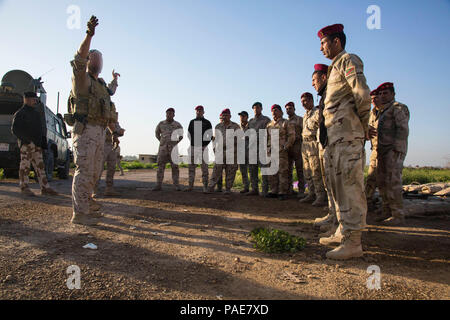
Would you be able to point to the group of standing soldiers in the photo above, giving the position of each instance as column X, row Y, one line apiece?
column 326, row 146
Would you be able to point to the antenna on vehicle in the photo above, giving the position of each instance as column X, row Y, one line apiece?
column 57, row 104
column 47, row 72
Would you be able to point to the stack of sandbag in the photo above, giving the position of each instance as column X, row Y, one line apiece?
column 433, row 188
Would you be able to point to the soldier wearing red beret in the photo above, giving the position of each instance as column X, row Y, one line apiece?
column 392, row 132
column 346, row 114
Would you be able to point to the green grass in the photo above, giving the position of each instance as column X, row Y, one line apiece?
column 276, row 241
column 2, row 174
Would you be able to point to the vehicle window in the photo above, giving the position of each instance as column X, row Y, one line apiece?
column 58, row 127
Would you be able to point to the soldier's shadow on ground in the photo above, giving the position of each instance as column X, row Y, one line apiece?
column 139, row 263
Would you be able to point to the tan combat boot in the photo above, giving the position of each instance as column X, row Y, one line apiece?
column 328, row 219
column 48, row 192
column 309, row 198
column 27, row 192
column 350, row 247
column 332, row 237
column 321, row 200
column 84, row 219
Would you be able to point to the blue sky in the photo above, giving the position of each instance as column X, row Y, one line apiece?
column 232, row 53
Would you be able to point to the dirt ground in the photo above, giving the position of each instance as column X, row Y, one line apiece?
column 178, row 245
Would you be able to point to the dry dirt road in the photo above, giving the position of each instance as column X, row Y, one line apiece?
column 177, row 245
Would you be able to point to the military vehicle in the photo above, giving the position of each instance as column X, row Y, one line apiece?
column 58, row 156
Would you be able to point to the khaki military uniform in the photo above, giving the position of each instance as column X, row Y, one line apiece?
column 244, row 167
column 30, row 154
column 295, row 154
column 110, row 158
column 371, row 181
column 163, row 133
column 279, row 182
column 89, row 137
column 346, row 114
column 221, row 160
column 257, row 124
column 393, row 131
column 118, row 159
column 310, row 152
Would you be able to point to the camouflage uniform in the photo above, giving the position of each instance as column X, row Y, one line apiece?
column 279, row 182
column 371, row 181
column 257, row 124
column 163, row 133
column 295, row 154
column 118, row 159
column 110, row 157
column 393, row 131
column 310, row 151
column 230, row 169
column 30, row 154
column 346, row 113
column 243, row 167
column 89, row 137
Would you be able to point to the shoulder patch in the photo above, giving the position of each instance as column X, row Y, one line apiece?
column 350, row 71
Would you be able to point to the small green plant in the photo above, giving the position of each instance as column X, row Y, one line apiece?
column 2, row 174
column 276, row 241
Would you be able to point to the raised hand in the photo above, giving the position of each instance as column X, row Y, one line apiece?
column 91, row 25
column 115, row 75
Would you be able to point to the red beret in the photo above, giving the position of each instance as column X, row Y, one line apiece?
column 170, row 109
column 226, row 111
column 385, row 85
column 321, row 67
column 291, row 104
column 276, row 106
column 335, row 28
column 374, row 92
column 307, row 94
column 198, row 108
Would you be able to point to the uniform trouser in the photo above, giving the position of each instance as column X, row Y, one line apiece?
column 311, row 167
column 88, row 145
column 244, row 169
column 254, row 178
column 344, row 162
column 371, row 181
column 296, row 158
column 230, row 175
column 279, row 182
column 30, row 154
column 327, row 184
column 389, row 179
column 164, row 157
column 198, row 156
column 119, row 165
column 110, row 158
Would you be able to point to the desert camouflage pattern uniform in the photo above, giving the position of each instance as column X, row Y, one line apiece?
column 346, row 113
column 119, row 165
column 230, row 169
column 110, row 158
column 279, row 182
column 393, row 131
column 257, row 124
column 88, row 139
column 310, row 152
column 371, row 181
column 30, row 154
column 295, row 154
column 163, row 133
column 244, row 167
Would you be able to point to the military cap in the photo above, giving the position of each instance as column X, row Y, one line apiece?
column 226, row 111
column 291, row 104
column 386, row 85
column 321, row 67
column 374, row 92
column 329, row 30
column 243, row 113
column 308, row 95
column 170, row 109
column 257, row 104
column 199, row 108
column 276, row 106
column 30, row 94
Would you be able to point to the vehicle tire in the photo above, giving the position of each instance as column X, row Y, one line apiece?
column 50, row 164
column 63, row 173
column 11, row 173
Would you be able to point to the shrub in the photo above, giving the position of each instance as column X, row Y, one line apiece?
column 276, row 241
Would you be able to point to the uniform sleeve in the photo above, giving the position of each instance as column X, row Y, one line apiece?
column 191, row 130
column 158, row 132
column 208, row 127
column 353, row 69
column 291, row 135
column 401, row 118
column 112, row 86
column 79, row 75
column 181, row 133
